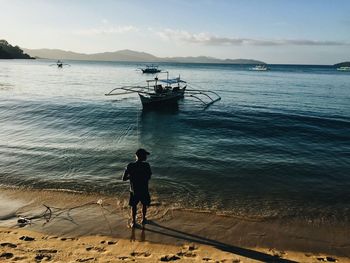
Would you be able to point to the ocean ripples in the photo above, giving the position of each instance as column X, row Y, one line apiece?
column 276, row 145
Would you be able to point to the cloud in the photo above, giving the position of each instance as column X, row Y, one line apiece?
column 210, row 40
column 107, row 30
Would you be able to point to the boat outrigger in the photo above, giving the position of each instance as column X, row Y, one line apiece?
column 166, row 93
column 151, row 69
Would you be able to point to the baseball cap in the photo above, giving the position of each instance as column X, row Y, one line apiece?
column 142, row 151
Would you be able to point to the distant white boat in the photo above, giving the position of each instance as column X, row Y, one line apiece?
column 343, row 69
column 259, row 68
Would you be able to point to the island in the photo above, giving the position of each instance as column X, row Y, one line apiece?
column 342, row 64
column 8, row 51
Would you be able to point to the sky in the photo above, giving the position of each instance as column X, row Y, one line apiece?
column 273, row 31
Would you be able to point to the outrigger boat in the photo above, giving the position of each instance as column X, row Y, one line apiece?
column 166, row 93
column 150, row 69
column 60, row 64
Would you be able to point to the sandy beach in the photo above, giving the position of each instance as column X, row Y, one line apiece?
column 175, row 131
column 74, row 227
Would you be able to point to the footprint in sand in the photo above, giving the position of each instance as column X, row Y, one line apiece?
column 223, row 260
column 84, row 259
column 6, row 255
column 8, row 245
column 190, row 247
column 277, row 253
column 140, row 254
column 68, row 238
column 47, row 251
column 40, row 257
column 26, row 238
column 327, row 259
column 187, row 254
column 168, row 258
column 123, row 258
column 19, row 258
column 188, row 251
column 98, row 249
column 108, row 242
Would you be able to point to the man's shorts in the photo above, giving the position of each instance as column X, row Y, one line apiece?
column 144, row 198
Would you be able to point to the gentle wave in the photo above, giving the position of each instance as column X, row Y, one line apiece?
column 276, row 145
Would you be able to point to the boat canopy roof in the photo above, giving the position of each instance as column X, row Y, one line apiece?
column 172, row 81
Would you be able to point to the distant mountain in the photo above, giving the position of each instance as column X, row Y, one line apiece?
column 122, row 55
column 204, row 59
column 54, row 54
column 343, row 64
column 8, row 51
column 130, row 56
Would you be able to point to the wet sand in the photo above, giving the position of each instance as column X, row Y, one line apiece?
column 83, row 228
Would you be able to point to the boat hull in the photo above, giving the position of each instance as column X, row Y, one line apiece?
column 150, row 71
column 160, row 100
column 343, row 69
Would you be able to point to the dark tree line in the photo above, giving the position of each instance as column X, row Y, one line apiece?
column 8, row 51
column 343, row 64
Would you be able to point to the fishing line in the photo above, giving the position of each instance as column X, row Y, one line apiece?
column 138, row 127
column 53, row 212
column 125, row 133
column 100, row 203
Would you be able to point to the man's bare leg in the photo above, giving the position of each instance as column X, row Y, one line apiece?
column 144, row 212
column 133, row 215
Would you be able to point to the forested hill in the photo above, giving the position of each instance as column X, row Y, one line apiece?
column 343, row 64
column 8, row 51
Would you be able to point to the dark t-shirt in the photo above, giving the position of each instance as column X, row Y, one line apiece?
column 139, row 173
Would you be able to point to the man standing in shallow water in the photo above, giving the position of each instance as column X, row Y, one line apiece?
column 139, row 173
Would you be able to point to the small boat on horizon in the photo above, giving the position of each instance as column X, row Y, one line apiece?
column 343, row 69
column 150, row 69
column 259, row 68
column 60, row 64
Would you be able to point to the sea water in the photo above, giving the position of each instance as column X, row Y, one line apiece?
column 276, row 146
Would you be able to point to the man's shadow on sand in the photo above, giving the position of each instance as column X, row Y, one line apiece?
column 249, row 253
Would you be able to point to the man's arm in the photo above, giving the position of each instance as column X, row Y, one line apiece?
column 126, row 175
column 149, row 172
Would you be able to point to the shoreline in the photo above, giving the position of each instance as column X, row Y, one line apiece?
column 79, row 216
